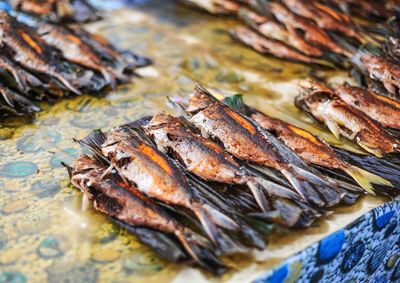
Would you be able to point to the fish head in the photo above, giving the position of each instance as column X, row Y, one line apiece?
column 199, row 99
column 311, row 93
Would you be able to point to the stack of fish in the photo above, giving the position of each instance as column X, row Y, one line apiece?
column 58, row 10
column 212, row 182
column 49, row 61
column 322, row 33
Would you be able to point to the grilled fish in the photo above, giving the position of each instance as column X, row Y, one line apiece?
column 312, row 149
column 28, row 49
column 122, row 201
column 219, row 7
column 382, row 109
column 58, row 10
column 269, row 46
column 311, row 32
column 342, row 120
column 209, row 161
column 324, row 17
column 74, row 49
column 246, row 141
column 271, row 29
column 379, row 68
column 157, row 177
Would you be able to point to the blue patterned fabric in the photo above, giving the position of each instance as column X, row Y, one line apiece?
column 368, row 250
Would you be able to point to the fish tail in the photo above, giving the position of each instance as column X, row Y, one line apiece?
column 162, row 243
column 213, row 223
column 196, row 247
column 366, row 179
column 67, row 83
column 312, row 188
column 259, row 196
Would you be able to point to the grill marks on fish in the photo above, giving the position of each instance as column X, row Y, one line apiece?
column 122, row 201
column 324, row 105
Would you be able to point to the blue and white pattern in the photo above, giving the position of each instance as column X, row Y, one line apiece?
column 368, row 250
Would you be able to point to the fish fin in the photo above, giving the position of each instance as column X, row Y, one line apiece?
column 377, row 153
column 67, row 84
column 163, row 244
column 311, row 188
column 194, row 244
column 334, row 128
column 93, row 141
column 366, row 179
column 69, row 169
column 259, row 196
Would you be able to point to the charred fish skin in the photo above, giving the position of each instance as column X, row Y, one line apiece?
column 29, row 50
column 271, row 29
column 382, row 109
column 246, row 141
column 209, row 161
column 120, row 200
column 326, row 107
column 157, row 177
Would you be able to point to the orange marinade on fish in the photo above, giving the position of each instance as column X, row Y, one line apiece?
column 380, row 108
column 342, row 120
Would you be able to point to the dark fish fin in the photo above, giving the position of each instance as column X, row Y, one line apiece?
column 163, row 244
column 194, row 245
column 252, row 233
column 93, row 142
column 69, row 169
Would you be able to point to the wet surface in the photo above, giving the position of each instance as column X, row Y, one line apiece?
column 44, row 234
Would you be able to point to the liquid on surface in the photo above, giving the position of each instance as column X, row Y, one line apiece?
column 44, row 234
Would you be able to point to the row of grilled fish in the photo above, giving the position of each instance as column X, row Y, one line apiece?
column 214, row 179
column 50, row 61
column 318, row 32
column 58, row 11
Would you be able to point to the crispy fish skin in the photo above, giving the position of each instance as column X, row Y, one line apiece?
column 342, row 120
column 312, row 33
column 309, row 147
column 382, row 109
column 29, row 50
column 73, row 48
column 208, row 160
column 241, row 138
column 381, row 69
column 122, row 201
column 157, row 177
column 324, row 17
column 272, row 29
column 268, row 46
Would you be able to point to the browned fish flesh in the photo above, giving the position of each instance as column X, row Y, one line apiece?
column 246, row 141
column 58, row 10
column 74, row 49
column 157, row 176
column 309, row 30
column 209, row 161
column 382, row 109
column 271, row 29
column 120, row 200
column 324, row 17
column 343, row 120
column 379, row 68
column 269, row 46
column 28, row 49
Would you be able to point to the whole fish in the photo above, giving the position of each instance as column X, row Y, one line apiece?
column 269, row 46
column 342, row 120
column 312, row 149
column 246, row 141
column 271, row 29
column 379, row 68
column 209, row 161
column 122, row 201
column 157, row 177
column 309, row 30
column 58, row 10
column 121, row 60
column 382, row 109
column 74, row 49
column 324, row 17
column 29, row 50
